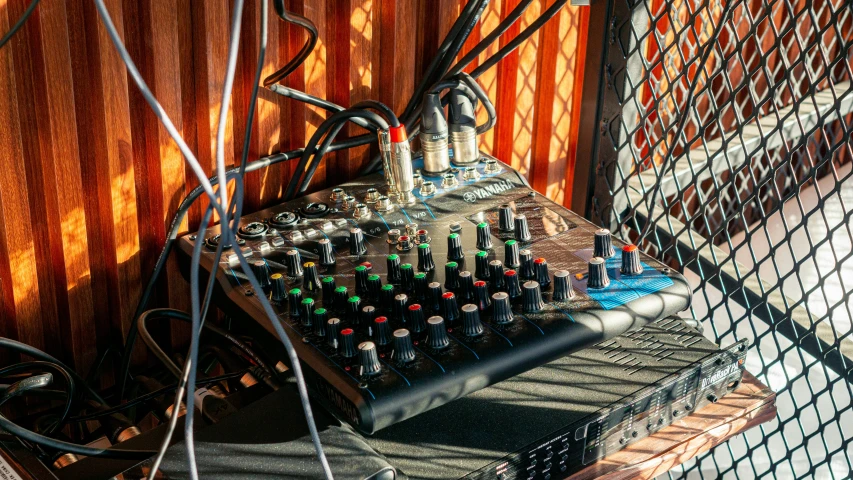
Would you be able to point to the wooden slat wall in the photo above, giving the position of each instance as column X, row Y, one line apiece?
column 91, row 180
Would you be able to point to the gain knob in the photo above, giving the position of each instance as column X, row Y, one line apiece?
column 471, row 324
column 294, row 298
column 526, row 272
column 354, row 309
column 563, row 290
column 436, row 333
column 399, row 310
column 434, row 296
column 420, row 286
column 374, row 284
column 631, row 260
column 481, row 295
column 347, row 343
column 356, row 242
column 306, row 311
column 451, row 276
column 407, row 277
column 367, row 317
column 278, row 288
column 484, row 236
column 361, row 275
column 404, row 351
column 597, row 274
column 261, row 272
column 513, row 288
column 449, row 307
column 425, row 261
column 321, row 319
column 340, row 299
column 333, row 333
column 417, row 322
column 522, row 231
column 393, row 263
column 386, row 297
column 293, row 263
column 511, row 258
column 466, row 285
column 532, row 297
column 369, row 358
column 310, row 279
column 381, row 331
column 496, row 274
column 603, row 244
column 505, row 218
column 454, row 247
column 540, row 272
column 501, row 308
column 327, row 256
column 328, row 284
column 481, row 265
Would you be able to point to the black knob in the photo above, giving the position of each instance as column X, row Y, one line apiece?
column 532, row 297
column 425, row 262
column 563, row 290
column 310, row 279
column 404, row 351
column 501, row 308
column 347, row 343
column 471, row 324
column 511, row 284
column 496, row 274
column 466, row 285
column 261, row 272
column 367, row 316
column 603, row 244
column 434, row 296
column 333, row 332
column 278, row 288
column 631, row 260
column 293, row 263
column 481, row 295
column 361, row 275
column 449, row 307
column 399, row 310
column 417, row 321
column 327, row 255
column 484, row 236
column 597, row 274
column 436, row 333
column 540, row 272
column 526, row 264
column 354, row 310
column 341, row 297
column 522, row 231
column 420, row 286
column 505, row 218
column 381, row 331
column 481, row 265
column 369, row 358
column 451, row 275
column 294, row 298
column 454, row 247
column 306, row 311
column 328, row 284
column 511, row 258
column 407, row 277
column 386, row 297
column 394, row 274
column 356, row 242
column 374, row 284
column 321, row 318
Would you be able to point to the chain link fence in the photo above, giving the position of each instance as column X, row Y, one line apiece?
column 746, row 187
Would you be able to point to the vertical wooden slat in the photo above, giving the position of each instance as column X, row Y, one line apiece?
column 577, row 98
column 364, row 50
column 507, row 76
column 546, row 71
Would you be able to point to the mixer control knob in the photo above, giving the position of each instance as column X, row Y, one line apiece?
column 425, row 261
column 420, row 286
column 404, row 351
column 481, row 265
column 340, row 299
column 261, row 272
column 327, row 256
column 372, row 195
column 369, row 358
column 393, row 262
column 466, row 285
column 354, row 309
column 393, row 236
column 597, row 273
column 333, row 332
column 484, row 236
column 398, row 311
column 505, row 218
column 278, row 287
column 481, row 295
column 563, row 290
column 527, row 271
column 381, row 331
column 383, row 204
column 321, row 319
column 501, row 308
column 374, row 284
column 451, row 275
column 436, row 333
column 434, row 296
column 361, row 275
column 454, row 247
column 306, row 311
column 310, row 279
column 417, row 321
column 471, row 174
column 347, row 343
column 407, row 277
column 328, row 284
column 293, row 263
column 631, row 260
column 522, row 231
column 532, row 301
column 449, row 307
column 386, row 297
column 294, row 299
column 513, row 288
column 496, row 274
column 603, row 244
column 471, row 324
column 367, row 316
column 540, row 272
column 356, row 242
column 511, row 258
column 405, row 243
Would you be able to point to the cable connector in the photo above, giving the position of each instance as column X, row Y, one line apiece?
column 434, row 135
column 401, row 164
column 463, row 127
column 384, row 138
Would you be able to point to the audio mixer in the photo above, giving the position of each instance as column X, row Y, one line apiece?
column 398, row 303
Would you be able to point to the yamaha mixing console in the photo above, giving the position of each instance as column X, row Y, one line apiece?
column 399, row 304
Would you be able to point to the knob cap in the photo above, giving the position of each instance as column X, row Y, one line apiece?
column 356, row 242
column 511, row 284
column 366, row 317
column 374, row 284
column 532, row 297
column 484, row 236
column 417, row 321
column 466, row 285
column 481, row 265
column 386, row 297
column 294, row 299
column 434, row 296
column 471, row 324
column 505, row 218
column 407, row 277
column 563, row 290
column 501, row 308
column 481, row 295
column 261, row 272
column 306, row 311
column 278, row 288
column 454, row 247
column 404, row 351
column 526, row 272
column 354, row 310
column 420, row 286
column 293, row 263
column 328, row 284
column 321, row 318
column 327, row 256
column 449, row 307
column 369, row 358
column 393, row 263
column 540, row 272
column 399, row 311
column 451, row 276
column 405, row 243
column 436, row 333
column 522, row 231
column 631, row 260
column 340, row 300
column 310, row 279
column 597, row 274
column 381, row 331
column 347, row 343
column 333, row 333
column 425, row 261
column 511, row 258
column 496, row 274
column 603, row 244
column 361, row 275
